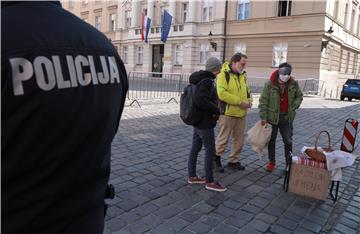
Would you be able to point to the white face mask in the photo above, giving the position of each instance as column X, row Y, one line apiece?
column 284, row 78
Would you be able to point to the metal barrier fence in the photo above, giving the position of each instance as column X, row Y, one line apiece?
column 154, row 85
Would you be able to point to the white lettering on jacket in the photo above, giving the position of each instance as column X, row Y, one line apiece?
column 49, row 73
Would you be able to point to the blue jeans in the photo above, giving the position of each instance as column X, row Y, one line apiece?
column 286, row 131
column 202, row 137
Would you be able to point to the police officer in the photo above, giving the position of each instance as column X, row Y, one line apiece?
column 62, row 95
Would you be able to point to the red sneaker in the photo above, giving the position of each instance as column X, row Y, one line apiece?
column 215, row 186
column 196, row 180
column 270, row 166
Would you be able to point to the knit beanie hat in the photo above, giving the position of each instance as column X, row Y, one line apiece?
column 213, row 64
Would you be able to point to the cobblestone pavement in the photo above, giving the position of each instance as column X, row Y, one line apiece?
column 149, row 170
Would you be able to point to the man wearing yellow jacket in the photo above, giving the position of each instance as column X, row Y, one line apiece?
column 235, row 98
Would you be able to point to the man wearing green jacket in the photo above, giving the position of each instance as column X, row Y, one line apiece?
column 235, row 98
column 279, row 99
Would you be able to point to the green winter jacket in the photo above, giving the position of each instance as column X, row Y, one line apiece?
column 269, row 102
column 232, row 93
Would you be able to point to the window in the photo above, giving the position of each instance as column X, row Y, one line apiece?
column 139, row 55
column 207, row 11
column 347, row 62
column 112, row 25
column 354, row 63
column 98, row 22
column 358, row 26
column 125, row 54
column 243, row 9
column 178, row 55
column 346, row 15
column 240, row 48
column 185, row 12
column 284, row 8
column 340, row 58
column 127, row 19
column 161, row 14
column 204, row 53
column 279, row 54
column 352, row 28
column 336, row 9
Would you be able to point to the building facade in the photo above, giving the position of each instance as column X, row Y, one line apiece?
column 320, row 39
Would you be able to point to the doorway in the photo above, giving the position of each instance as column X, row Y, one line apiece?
column 157, row 58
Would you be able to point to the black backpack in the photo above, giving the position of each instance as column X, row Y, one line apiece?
column 189, row 113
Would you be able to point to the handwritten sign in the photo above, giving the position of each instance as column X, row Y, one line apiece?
column 309, row 181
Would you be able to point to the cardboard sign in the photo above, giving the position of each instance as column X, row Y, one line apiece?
column 309, row 181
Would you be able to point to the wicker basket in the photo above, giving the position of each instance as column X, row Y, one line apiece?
column 317, row 155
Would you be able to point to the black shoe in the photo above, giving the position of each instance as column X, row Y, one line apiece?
column 218, row 167
column 236, row 166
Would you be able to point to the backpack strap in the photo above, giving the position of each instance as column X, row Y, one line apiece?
column 227, row 77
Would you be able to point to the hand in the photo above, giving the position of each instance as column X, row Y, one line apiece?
column 263, row 122
column 244, row 105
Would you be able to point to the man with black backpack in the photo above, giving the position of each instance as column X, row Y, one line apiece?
column 205, row 103
column 235, row 98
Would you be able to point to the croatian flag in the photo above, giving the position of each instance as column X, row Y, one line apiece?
column 145, row 27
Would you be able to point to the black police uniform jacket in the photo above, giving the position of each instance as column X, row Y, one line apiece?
column 62, row 95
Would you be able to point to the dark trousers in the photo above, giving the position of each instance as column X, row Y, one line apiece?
column 202, row 137
column 286, row 131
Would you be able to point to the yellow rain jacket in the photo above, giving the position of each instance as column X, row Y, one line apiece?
column 232, row 92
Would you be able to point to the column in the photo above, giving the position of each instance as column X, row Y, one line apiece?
column 135, row 13
column 172, row 10
column 150, row 10
column 192, row 10
column 354, row 29
column 348, row 15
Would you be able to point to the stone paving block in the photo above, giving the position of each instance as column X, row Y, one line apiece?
column 162, row 229
column 279, row 229
column 348, row 222
column 163, row 201
column 274, row 210
column 115, row 224
column 259, row 202
column 211, row 220
column 243, row 215
column 259, row 225
column 251, row 209
column 249, row 229
column 203, row 208
column 351, row 216
column 266, row 218
column 235, row 221
column 224, row 211
column 311, row 226
column 190, row 215
column 127, row 205
column 146, row 209
column 138, row 227
column 232, row 204
column 287, row 223
column 344, row 229
column 225, row 229
column 199, row 227
column 303, row 231
column 167, row 212
column 177, row 224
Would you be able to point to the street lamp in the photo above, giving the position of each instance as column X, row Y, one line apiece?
column 213, row 44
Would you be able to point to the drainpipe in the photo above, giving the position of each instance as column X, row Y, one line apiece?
column 225, row 24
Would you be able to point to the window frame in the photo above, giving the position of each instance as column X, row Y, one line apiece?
column 112, row 22
column 279, row 47
column 139, row 55
column 98, row 23
column 243, row 10
column 204, row 52
column 125, row 54
column 178, row 51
